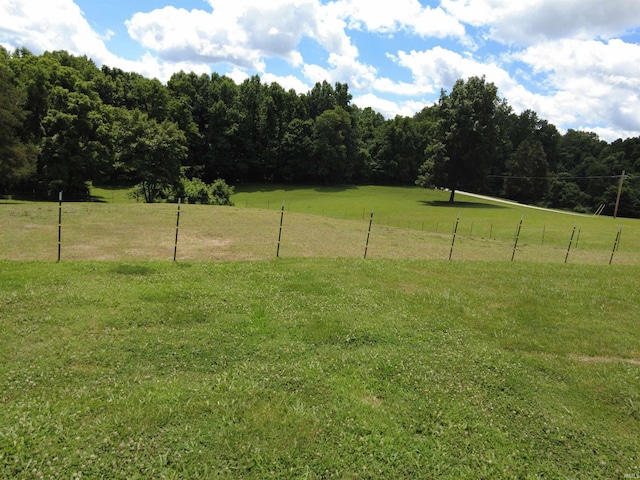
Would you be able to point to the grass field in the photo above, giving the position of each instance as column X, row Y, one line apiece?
column 118, row 363
column 408, row 223
column 319, row 368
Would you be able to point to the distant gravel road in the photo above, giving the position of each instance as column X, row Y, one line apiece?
column 500, row 200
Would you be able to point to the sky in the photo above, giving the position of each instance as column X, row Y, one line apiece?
column 576, row 63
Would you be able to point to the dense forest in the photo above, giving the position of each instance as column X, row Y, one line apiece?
column 65, row 123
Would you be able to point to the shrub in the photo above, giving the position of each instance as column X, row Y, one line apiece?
column 197, row 191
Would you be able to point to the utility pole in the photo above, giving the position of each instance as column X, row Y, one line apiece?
column 615, row 210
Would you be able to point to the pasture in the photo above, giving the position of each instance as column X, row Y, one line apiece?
column 408, row 223
column 119, row 363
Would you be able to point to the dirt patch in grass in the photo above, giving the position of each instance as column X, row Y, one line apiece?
column 586, row 359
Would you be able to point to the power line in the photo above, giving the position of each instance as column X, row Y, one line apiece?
column 563, row 177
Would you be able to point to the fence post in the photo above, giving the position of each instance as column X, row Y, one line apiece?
column 455, row 231
column 366, row 246
column 515, row 243
column 175, row 246
column 280, row 231
column 59, row 224
column 616, row 244
column 566, row 257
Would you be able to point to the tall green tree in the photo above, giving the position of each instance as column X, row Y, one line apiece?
column 17, row 156
column 221, row 133
column 151, row 153
column 398, row 151
column 468, row 133
column 73, row 146
column 297, row 151
column 332, row 132
column 527, row 171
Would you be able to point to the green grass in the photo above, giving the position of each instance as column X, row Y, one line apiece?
column 112, row 194
column 116, row 363
column 319, row 222
column 318, row 368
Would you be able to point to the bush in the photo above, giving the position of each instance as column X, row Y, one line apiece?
column 197, row 191
column 221, row 193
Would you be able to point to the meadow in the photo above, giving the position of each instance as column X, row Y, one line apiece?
column 408, row 223
column 119, row 363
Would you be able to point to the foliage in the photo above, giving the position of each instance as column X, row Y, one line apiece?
column 527, row 170
column 63, row 124
column 467, row 137
column 331, row 140
column 565, row 194
column 17, row 157
column 197, row 191
column 152, row 153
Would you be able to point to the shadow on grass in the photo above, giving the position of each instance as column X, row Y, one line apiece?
column 125, row 269
column 462, row 205
column 111, row 193
column 273, row 187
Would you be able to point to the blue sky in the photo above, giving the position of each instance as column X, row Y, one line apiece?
column 575, row 62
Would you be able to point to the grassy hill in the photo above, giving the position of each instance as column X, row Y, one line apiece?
column 118, row 363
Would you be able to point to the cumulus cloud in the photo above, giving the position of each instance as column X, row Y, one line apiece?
column 288, row 82
column 29, row 24
column 440, row 68
column 387, row 17
column 61, row 25
column 388, row 108
column 596, row 81
column 242, row 33
column 529, row 21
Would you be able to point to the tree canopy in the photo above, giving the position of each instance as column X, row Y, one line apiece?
column 65, row 123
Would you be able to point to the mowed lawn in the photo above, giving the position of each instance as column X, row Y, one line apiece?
column 319, row 368
column 119, row 363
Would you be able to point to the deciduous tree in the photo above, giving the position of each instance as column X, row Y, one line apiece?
column 468, row 133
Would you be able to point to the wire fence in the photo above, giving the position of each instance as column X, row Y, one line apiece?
column 182, row 232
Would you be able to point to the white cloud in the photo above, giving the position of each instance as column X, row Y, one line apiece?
column 597, row 82
column 382, row 16
column 241, row 32
column 315, row 73
column 529, row 21
column 61, row 25
column 50, row 25
column 388, row 108
column 237, row 75
column 440, row 68
column 329, row 32
column 288, row 82
column 387, row 85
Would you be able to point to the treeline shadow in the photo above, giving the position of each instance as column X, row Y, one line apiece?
column 460, row 205
column 272, row 187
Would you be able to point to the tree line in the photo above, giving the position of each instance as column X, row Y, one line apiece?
column 65, row 123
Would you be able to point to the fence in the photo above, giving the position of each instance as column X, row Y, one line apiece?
column 140, row 232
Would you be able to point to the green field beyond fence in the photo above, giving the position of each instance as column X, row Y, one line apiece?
column 318, row 222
